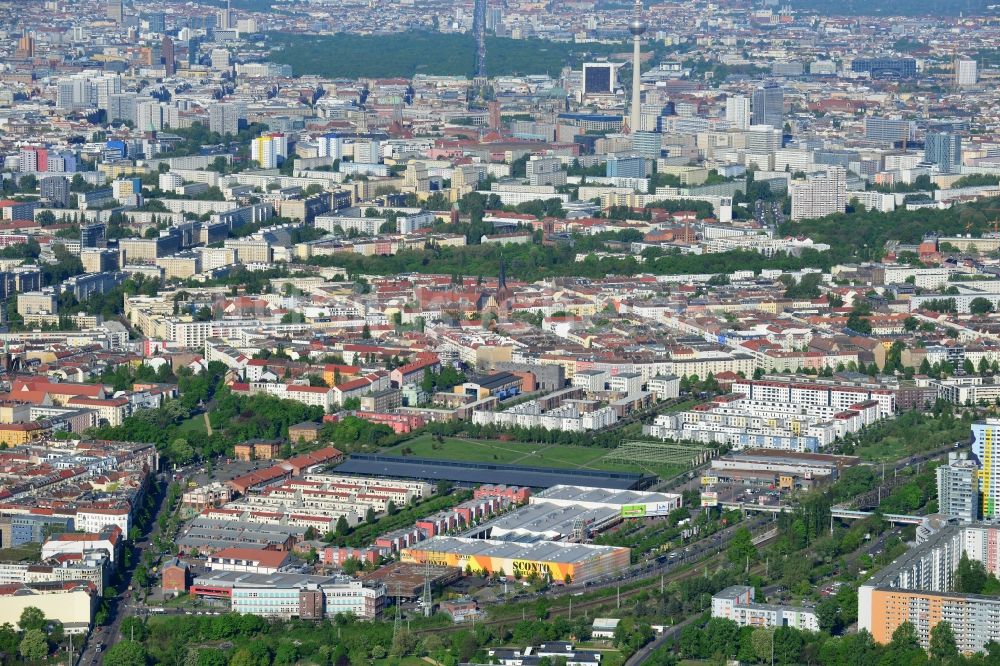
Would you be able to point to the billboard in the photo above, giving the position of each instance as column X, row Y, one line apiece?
column 649, row 509
column 633, row 511
column 710, row 499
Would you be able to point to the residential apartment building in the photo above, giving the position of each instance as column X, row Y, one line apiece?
column 736, row 603
column 822, row 194
column 917, row 588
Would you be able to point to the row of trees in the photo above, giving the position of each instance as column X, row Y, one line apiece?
column 720, row 638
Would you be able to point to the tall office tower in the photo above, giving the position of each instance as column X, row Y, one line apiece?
column 226, row 18
column 738, row 111
column 167, row 52
column 194, row 48
column 966, row 72
column 945, row 150
column 985, row 436
column 156, row 22
column 116, row 10
column 822, row 194
column 494, row 18
column 599, row 78
column 637, row 26
column 769, row 106
column 958, row 488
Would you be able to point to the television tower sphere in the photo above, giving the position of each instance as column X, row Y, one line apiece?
column 637, row 26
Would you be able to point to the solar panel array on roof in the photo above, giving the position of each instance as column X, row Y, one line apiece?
column 468, row 472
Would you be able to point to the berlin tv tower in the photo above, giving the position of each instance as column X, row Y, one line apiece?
column 636, row 26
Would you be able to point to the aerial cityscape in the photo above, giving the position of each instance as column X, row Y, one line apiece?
column 517, row 332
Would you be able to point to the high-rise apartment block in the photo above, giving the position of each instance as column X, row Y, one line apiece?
column 918, row 588
column 226, row 117
column 888, row 130
column 738, row 112
column 545, row 171
column 958, row 488
column 966, row 72
column 985, row 440
column 269, row 150
column 822, row 194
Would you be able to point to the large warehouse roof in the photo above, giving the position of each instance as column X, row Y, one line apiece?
column 538, row 551
column 470, row 472
column 595, row 497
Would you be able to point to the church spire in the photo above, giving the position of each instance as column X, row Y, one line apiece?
column 502, row 278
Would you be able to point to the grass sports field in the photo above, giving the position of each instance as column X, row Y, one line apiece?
column 523, row 453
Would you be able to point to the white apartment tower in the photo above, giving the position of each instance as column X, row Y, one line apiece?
column 820, row 195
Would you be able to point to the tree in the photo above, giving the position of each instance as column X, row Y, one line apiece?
column 690, row 642
column 342, row 527
column 126, row 653
column 134, row 628
column 741, row 548
column 905, row 644
column 286, row 654
column 980, row 306
column 788, row 644
column 31, row 618
column 8, row 639
column 370, row 515
column 970, row 576
column 34, row 645
column 208, row 657
column 28, row 183
column 857, row 322
column 366, row 332
column 351, row 566
column 942, row 643
column 242, row 657
column 762, row 640
column 180, row 451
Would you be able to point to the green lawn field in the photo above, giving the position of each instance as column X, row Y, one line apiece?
column 521, row 453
